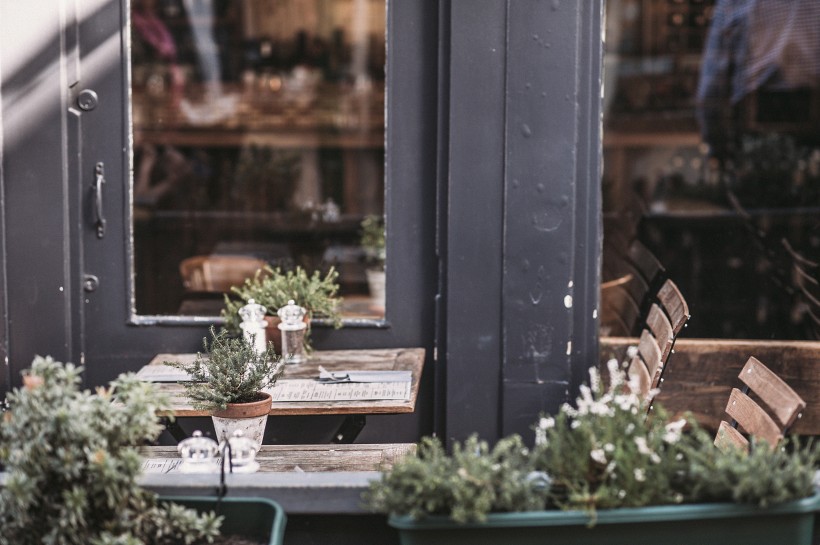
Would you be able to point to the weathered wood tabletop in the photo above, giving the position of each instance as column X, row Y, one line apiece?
column 313, row 458
column 386, row 359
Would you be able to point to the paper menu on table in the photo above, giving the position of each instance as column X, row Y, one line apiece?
column 162, row 373
column 311, row 390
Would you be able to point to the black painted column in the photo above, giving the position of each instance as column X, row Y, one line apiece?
column 522, row 210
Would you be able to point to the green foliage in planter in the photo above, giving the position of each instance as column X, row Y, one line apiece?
column 273, row 288
column 467, row 485
column 763, row 477
column 373, row 240
column 72, row 465
column 601, row 453
column 231, row 371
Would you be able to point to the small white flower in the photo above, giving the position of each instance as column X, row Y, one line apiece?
column 610, row 467
column 574, row 424
column 643, row 448
column 540, row 436
column 622, row 494
column 673, row 431
column 640, row 474
column 594, row 379
column 598, row 455
column 679, row 457
column 630, row 428
column 609, row 447
column 655, row 458
column 546, row 423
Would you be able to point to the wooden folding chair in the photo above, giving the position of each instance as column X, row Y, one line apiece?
column 783, row 407
column 646, row 366
column 217, row 273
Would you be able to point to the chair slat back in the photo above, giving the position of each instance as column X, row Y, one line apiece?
column 781, row 399
column 674, row 305
column 650, row 353
column 645, row 366
column 752, row 418
column 728, row 438
column 659, row 325
column 639, row 376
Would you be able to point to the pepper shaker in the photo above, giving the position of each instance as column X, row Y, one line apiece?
column 253, row 325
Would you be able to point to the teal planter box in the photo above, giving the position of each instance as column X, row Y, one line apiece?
column 697, row 524
column 256, row 519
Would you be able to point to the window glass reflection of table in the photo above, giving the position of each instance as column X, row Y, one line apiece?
column 387, row 359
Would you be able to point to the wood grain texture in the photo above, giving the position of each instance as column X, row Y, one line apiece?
column 315, row 458
column 701, row 373
column 396, row 359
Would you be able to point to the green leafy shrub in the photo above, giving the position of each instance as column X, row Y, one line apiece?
column 273, row 288
column 601, row 453
column 72, row 465
column 231, row 371
column 467, row 485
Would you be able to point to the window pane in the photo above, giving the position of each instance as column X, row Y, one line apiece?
column 258, row 139
column 712, row 158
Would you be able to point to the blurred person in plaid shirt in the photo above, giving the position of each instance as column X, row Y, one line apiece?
column 768, row 50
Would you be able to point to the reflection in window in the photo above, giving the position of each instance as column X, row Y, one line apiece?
column 258, row 133
column 712, row 157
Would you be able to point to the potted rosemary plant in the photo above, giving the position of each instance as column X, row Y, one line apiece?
column 72, row 464
column 228, row 380
column 273, row 288
column 600, row 473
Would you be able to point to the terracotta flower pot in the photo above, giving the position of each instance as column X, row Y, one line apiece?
column 248, row 417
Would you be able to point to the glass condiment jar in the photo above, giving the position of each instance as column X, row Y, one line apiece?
column 198, row 453
column 293, row 328
column 242, row 451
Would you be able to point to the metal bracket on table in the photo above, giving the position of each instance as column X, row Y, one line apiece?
column 173, row 427
column 349, row 429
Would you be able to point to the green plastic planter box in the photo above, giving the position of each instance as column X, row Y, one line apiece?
column 256, row 519
column 696, row 524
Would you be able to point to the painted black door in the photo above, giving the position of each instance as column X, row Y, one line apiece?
column 113, row 335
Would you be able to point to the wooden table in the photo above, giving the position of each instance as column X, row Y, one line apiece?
column 312, row 458
column 396, row 359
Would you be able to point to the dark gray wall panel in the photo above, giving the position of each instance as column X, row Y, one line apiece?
column 545, row 284
column 474, row 216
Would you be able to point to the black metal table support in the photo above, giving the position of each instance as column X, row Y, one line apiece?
column 173, row 427
column 349, row 429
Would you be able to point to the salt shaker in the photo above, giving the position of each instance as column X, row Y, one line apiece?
column 293, row 328
column 253, row 325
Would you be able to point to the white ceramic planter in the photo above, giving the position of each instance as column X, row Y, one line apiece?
column 375, row 283
column 250, row 418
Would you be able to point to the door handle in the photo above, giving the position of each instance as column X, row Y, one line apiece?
column 99, row 223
